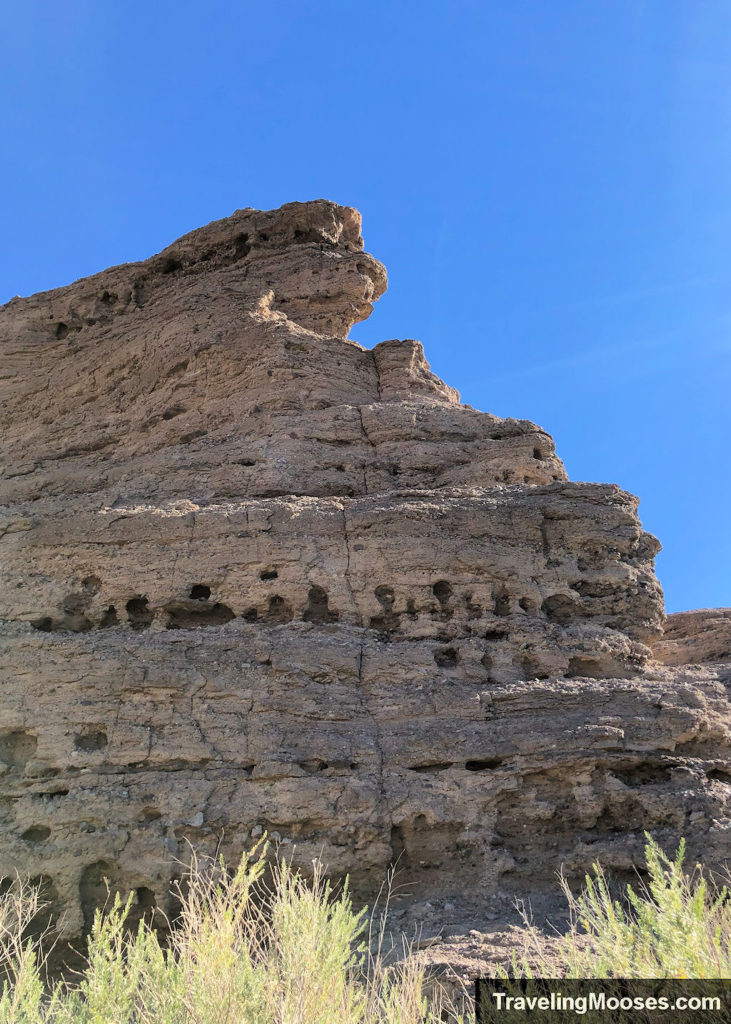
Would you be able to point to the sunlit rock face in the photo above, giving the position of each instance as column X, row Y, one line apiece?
column 256, row 577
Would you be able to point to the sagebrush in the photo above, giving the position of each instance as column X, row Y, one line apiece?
column 292, row 953
column 672, row 925
column 296, row 952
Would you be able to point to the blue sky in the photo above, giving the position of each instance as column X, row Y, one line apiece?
column 549, row 185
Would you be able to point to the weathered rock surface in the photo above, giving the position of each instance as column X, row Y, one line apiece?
column 695, row 638
column 256, row 577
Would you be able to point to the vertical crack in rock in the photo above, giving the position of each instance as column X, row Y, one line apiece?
column 346, row 575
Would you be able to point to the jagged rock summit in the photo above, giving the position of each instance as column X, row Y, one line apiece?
column 257, row 577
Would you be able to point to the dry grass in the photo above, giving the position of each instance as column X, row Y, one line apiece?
column 292, row 954
column 296, row 952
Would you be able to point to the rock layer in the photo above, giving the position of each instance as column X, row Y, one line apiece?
column 695, row 638
column 256, row 577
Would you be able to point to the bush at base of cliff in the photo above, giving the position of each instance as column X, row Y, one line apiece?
column 239, row 954
column 671, row 926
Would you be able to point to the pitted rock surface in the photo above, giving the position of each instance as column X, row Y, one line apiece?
column 258, row 578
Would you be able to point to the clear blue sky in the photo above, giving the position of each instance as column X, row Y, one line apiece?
column 548, row 183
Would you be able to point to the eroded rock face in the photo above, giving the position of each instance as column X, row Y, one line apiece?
column 695, row 638
column 256, row 577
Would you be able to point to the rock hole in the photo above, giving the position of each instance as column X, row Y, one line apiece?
column 109, row 618
column 429, row 769
column 139, row 615
column 443, row 592
column 411, row 608
column 99, row 882
column 90, row 740
column 279, row 611
column 17, row 747
column 398, row 846
column 529, row 606
column 92, row 584
column 43, row 625
column 198, row 615
column 589, row 588
column 483, row 766
column 317, row 609
column 51, row 794
column 560, row 608
column 388, row 620
column 241, row 246
column 150, row 814
column 108, row 298
column 268, row 574
column 145, row 899
column 244, row 462
column 49, row 908
column 200, row 592
column 644, row 774
column 62, row 331
column 580, row 666
column 36, row 834
column 495, row 634
column 139, row 294
column 250, row 615
column 719, row 775
column 177, row 369
column 446, row 657
column 502, row 602
column 314, row 765
column 532, row 667
column 173, row 411
column 93, row 890
column 171, row 265
column 537, row 453
column 193, row 435
column 74, row 619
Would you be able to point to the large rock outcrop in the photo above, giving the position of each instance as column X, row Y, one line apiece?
column 256, row 577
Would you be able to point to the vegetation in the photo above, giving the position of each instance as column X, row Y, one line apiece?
column 670, row 926
column 296, row 952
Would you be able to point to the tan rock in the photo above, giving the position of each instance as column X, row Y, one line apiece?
column 699, row 637
column 258, row 578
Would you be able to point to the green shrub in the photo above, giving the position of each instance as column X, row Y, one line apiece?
column 671, row 926
column 294, row 954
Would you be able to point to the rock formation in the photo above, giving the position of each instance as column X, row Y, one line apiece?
column 256, row 577
column 699, row 637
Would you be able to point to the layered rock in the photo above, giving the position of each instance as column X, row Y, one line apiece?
column 695, row 638
column 257, row 577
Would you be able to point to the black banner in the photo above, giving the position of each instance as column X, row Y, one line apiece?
column 615, row 1001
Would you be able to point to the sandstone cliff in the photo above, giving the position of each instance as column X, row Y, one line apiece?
column 256, row 577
